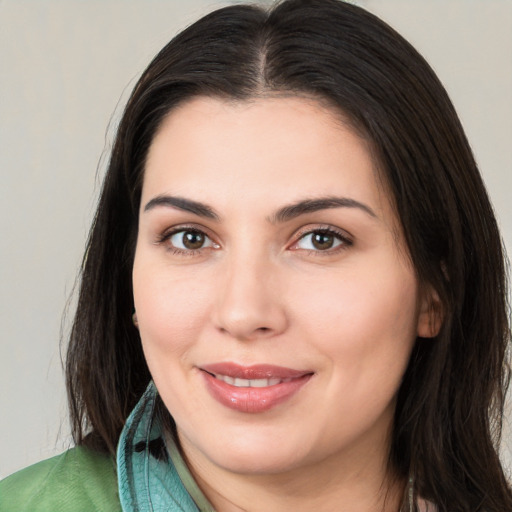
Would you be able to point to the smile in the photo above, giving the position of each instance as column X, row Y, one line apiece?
column 250, row 383
column 252, row 389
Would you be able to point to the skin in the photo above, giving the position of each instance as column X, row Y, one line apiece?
column 259, row 291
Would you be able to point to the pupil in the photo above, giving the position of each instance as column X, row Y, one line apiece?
column 193, row 240
column 323, row 240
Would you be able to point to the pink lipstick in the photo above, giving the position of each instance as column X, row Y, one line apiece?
column 252, row 389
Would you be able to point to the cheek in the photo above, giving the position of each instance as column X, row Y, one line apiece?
column 364, row 325
column 363, row 320
column 171, row 309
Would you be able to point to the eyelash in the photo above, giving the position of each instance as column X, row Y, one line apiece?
column 341, row 236
column 167, row 235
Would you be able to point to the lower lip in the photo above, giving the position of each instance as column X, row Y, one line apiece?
column 253, row 400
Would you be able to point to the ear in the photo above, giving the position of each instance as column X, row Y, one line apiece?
column 431, row 314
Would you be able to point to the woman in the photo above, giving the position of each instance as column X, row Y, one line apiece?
column 294, row 293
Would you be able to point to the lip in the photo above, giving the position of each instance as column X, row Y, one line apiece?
column 253, row 399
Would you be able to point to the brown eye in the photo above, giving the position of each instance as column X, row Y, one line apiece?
column 193, row 239
column 322, row 241
column 190, row 240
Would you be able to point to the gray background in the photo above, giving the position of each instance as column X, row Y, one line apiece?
column 66, row 70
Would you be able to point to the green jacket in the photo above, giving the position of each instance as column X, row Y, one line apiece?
column 79, row 480
column 148, row 475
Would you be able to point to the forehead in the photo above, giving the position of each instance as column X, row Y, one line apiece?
column 279, row 148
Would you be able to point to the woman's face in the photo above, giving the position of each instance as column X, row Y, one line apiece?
column 276, row 303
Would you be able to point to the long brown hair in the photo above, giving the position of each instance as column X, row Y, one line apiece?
column 450, row 404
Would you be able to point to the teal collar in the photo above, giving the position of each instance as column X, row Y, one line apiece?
column 152, row 475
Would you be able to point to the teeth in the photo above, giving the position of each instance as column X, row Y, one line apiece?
column 229, row 380
column 250, row 383
column 263, row 383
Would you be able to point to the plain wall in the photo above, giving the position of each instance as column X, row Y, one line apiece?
column 66, row 67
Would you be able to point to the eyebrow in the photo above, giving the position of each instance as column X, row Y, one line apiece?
column 284, row 214
column 313, row 205
column 180, row 203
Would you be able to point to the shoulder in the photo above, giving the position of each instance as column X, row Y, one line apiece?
column 78, row 480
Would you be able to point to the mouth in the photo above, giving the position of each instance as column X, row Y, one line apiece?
column 253, row 389
column 249, row 383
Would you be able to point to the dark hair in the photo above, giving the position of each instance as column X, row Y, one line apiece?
column 450, row 404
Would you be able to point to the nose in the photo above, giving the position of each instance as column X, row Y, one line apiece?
column 250, row 305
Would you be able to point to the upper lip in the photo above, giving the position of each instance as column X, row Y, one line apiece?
column 257, row 371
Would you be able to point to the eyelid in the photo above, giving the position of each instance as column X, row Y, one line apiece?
column 346, row 238
column 167, row 233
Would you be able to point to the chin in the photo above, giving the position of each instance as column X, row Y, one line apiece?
column 251, row 454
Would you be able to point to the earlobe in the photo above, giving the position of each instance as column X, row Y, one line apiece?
column 431, row 315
